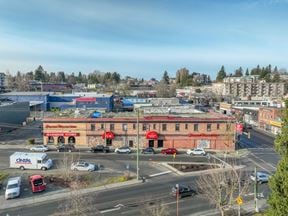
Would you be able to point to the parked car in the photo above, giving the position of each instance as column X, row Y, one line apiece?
column 169, row 151
column 183, row 190
column 37, row 183
column 261, row 177
column 13, row 188
column 148, row 150
column 83, row 166
column 100, row 148
column 124, row 149
column 196, row 151
column 39, row 148
column 66, row 148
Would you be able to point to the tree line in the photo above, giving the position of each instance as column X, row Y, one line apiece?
column 21, row 81
column 265, row 73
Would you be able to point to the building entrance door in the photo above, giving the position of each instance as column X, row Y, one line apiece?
column 151, row 143
column 160, row 144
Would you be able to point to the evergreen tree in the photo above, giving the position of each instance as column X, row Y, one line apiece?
column 247, row 72
column 239, row 72
column 278, row 183
column 221, row 74
column 276, row 77
column 165, row 78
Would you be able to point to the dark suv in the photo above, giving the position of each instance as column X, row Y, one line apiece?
column 183, row 190
column 148, row 150
column 100, row 148
column 66, row 148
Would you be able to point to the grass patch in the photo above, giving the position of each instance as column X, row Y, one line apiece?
column 3, row 176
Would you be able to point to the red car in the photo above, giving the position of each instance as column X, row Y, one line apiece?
column 169, row 151
column 37, row 183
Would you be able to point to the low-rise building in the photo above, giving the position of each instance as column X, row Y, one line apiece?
column 207, row 130
column 270, row 119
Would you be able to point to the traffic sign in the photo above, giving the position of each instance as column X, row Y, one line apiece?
column 239, row 200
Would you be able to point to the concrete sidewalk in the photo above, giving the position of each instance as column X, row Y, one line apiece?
column 62, row 194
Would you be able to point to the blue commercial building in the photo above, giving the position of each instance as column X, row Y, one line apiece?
column 38, row 101
column 85, row 100
column 45, row 101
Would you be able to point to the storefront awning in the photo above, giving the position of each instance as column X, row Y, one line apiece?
column 152, row 135
column 108, row 135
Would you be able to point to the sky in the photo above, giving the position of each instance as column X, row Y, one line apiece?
column 142, row 38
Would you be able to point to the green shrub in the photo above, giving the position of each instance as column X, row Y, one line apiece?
column 31, row 141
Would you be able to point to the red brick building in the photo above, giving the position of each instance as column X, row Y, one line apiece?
column 270, row 119
column 208, row 130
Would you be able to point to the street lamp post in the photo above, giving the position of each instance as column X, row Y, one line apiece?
column 138, row 144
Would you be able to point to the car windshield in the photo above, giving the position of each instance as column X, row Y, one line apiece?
column 45, row 159
column 11, row 186
column 38, row 182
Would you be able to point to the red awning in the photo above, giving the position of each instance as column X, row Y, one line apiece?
column 85, row 99
column 108, row 135
column 152, row 135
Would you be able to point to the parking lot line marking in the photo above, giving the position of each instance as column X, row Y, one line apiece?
column 161, row 173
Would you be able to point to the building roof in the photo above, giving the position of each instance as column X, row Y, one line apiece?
column 115, row 117
column 28, row 93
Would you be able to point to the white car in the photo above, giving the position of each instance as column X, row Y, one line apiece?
column 39, row 148
column 261, row 177
column 124, row 149
column 13, row 188
column 83, row 166
column 196, row 151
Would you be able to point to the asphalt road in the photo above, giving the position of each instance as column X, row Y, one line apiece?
column 133, row 200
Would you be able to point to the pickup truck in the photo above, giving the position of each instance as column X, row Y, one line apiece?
column 13, row 188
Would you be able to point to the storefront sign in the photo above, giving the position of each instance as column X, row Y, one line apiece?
column 61, row 134
column 60, row 126
column 239, row 127
column 276, row 124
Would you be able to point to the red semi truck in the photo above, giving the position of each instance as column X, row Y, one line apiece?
column 37, row 183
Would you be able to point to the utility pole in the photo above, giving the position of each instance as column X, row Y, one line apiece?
column 256, row 190
column 138, row 144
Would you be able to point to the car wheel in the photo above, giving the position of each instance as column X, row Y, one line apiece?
column 191, row 154
column 69, row 150
column 90, row 170
column 43, row 168
column 75, row 169
column 22, row 168
column 58, row 150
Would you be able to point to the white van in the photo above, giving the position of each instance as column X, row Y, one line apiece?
column 25, row 160
column 13, row 188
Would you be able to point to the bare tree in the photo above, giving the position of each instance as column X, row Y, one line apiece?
column 222, row 187
column 158, row 209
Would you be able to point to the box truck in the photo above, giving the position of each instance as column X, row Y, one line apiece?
column 25, row 160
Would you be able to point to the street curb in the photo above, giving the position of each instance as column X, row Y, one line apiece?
column 196, row 173
column 65, row 193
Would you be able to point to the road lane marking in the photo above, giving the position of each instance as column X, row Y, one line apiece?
column 253, row 161
column 110, row 210
column 263, row 161
column 161, row 173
